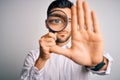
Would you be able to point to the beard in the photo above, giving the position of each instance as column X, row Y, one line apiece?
column 62, row 40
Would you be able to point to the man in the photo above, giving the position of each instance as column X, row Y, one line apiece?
column 72, row 53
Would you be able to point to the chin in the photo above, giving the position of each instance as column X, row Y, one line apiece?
column 62, row 40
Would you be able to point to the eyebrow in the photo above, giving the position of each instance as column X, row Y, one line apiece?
column 57, row 15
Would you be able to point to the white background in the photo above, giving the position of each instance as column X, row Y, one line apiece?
column 22, row 24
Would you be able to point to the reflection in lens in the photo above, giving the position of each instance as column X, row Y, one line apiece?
column 57, row 20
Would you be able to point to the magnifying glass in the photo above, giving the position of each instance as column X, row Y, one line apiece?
column 57, row 21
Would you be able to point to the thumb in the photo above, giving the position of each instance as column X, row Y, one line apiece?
column 59, row 50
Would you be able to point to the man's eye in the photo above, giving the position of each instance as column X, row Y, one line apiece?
column 56, row 21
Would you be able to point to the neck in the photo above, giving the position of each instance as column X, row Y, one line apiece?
column 63, row 43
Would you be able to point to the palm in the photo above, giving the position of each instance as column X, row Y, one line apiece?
column 86, row 47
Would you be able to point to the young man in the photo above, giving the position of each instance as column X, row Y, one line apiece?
column 72, row 53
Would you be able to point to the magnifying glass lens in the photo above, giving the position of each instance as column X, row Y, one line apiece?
column 57, row 21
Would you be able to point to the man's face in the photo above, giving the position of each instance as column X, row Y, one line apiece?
column 64, row 35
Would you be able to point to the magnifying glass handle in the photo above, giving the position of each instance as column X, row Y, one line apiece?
column 51, row 31
column 54, row 32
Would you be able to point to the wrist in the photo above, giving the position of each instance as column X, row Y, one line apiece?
column 98, row 66
column 40, row 63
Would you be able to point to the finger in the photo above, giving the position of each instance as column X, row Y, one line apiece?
column 74, row 26
column 52, row 35
column 59, row 50
column 49, row 44
column 87, row 16
column 95, row 22
column 80, row 14
column 49, row 40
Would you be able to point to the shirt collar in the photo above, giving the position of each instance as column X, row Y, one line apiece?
column 68, row 45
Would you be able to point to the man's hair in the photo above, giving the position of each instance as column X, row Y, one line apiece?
column 59, row 4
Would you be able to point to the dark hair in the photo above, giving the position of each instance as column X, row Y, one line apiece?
column 59, row 4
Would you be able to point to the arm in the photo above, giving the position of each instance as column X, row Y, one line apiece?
column 40, row 63
column 35, row 61
column 29, row 71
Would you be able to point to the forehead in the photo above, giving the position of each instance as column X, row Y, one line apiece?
column 66, row 10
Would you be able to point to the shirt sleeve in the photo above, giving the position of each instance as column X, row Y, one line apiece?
column 110, row 61
column 29, row 71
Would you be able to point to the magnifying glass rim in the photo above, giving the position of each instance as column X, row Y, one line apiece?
column 51, row 30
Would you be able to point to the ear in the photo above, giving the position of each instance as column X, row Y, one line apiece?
column 46, row 23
